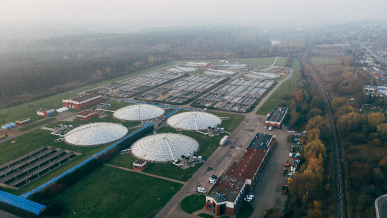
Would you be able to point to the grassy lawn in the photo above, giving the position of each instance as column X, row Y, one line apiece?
column 109, row 118
column 323, row 60
column 29, row 109
column 193, row 203
column 38, row 123
column 230, row 124
column 245, row 211
column 287, row 88
column 110, row 192
column 118, row 105
column 36, row 139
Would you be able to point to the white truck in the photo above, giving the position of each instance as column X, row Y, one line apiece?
column 224, row 140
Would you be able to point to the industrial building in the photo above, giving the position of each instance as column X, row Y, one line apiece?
column 182, row 90
column 138, row 112
column 86, row 115
column 227, row 194
column 139, row 165
column 219, row 72
column 81, row 102
column 232, row 66
column 164, row 147
column 46, row 112
column 238, row 94
column 95, row 134
column 193, row 121
column 130, row 87
column 375, row 90
column 179, row 69
column 276, row 117
column 23, row 122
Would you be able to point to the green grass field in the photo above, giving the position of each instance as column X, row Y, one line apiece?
column 245, row 211
column 37, row 123
column 206, row 215
column 111, row 192
column 36, row 139
column 192, row 203
column 287, row 88
column 323, row 60
column 230, row 124
column 29, row 109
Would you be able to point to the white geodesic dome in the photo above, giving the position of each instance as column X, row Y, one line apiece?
column 164, row 147
column 138, row 112
column 193, row 120
column 95, row 134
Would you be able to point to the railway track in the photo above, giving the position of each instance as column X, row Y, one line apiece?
column 341, row 203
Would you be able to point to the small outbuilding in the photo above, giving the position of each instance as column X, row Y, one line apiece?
column 86, row 115
column 276, row 117
column 23, row 122
column 46, row 112
column 139, row 165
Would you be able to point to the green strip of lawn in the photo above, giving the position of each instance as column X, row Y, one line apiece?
column 193, row 203
column 111, row 192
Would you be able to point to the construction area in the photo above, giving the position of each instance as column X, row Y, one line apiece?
column 237, row 95
column 182, row 90
column 31, row 166
column 129, row 87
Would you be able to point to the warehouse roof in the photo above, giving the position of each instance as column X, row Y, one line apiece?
column 261, row 141
column 248, row 165
column 277, row 114
column 228, row 186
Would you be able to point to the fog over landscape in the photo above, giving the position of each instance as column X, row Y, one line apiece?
column 25, row 19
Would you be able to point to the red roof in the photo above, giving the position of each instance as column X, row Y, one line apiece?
column 248, row 165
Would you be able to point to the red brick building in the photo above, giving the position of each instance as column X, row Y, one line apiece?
column 86, row 115
column 46, row 112
column 139, row 165
column 23, row 122
column 81, row 102
column 228, row 192
column 276, row 117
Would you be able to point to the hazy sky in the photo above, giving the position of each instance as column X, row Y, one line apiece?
column 177, row 12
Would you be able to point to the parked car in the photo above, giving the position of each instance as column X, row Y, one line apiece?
column 212, row 180
column 249, row 198
column 215, row 177
column 200, row 189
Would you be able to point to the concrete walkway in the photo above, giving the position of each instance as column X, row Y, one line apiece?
column 148, row 174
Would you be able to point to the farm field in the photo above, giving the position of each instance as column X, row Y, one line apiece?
column 111, row 192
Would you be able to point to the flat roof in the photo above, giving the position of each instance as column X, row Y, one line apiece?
column 86, row 113
column 261, row 141
column 248, row 165
column 84, row 97
column 277, row 114
column 228, row 186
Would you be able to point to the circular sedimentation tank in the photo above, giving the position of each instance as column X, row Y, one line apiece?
column 95, row 134
column 164, row 147
column 138, row 112
column 193, row 121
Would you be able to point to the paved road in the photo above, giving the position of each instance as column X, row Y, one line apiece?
column 341, row 202
column 223, row 157
column 373, row 53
